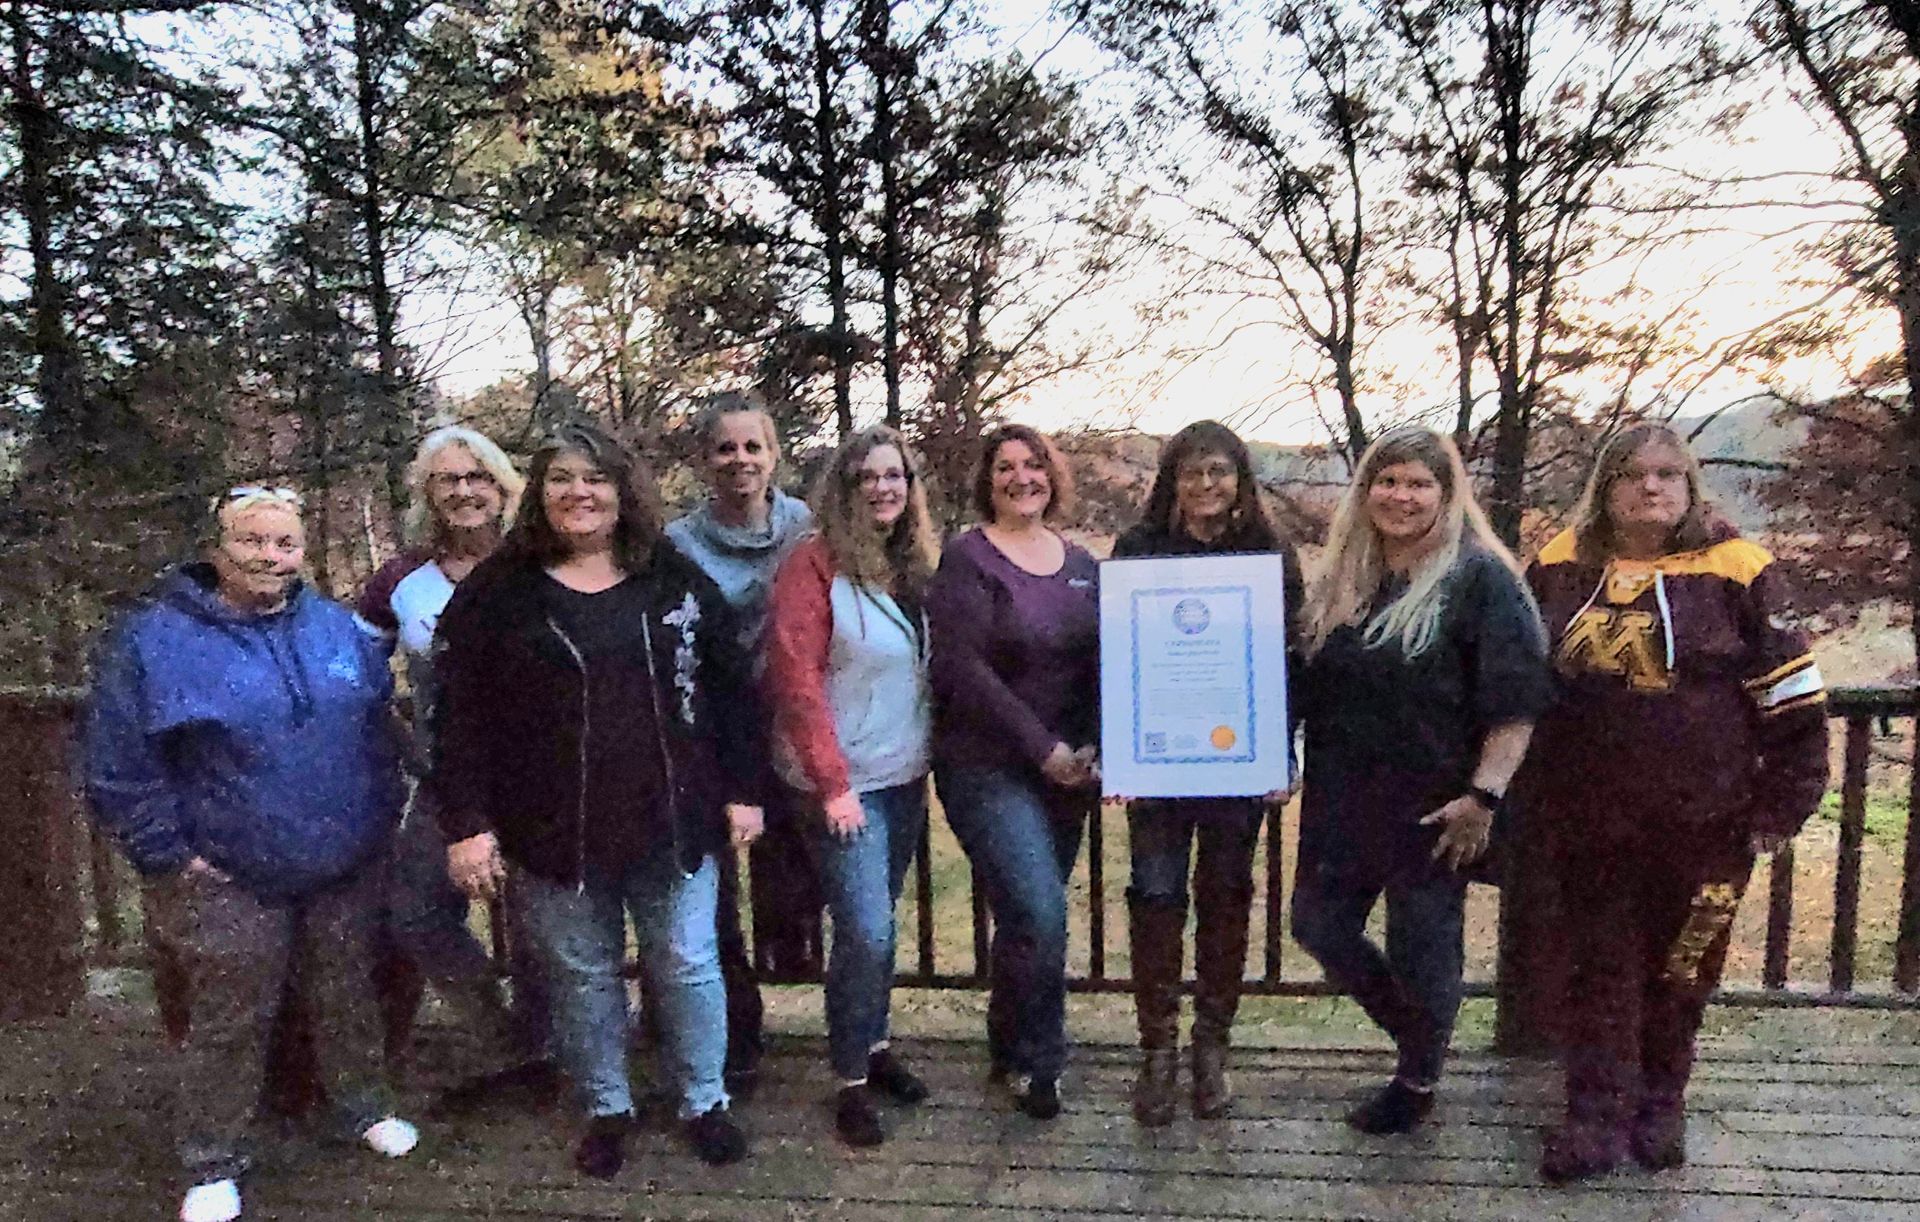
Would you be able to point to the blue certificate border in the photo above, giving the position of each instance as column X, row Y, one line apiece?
column 1245, row 594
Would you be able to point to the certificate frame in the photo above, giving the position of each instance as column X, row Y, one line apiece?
column 1193, row 672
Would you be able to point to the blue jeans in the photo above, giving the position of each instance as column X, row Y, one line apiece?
column 862, row 875
column 582, row 933
column 1022, row 835
column 1413, row 990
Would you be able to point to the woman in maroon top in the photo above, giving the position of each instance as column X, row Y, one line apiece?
column 1015, row 623
column 1689, row 734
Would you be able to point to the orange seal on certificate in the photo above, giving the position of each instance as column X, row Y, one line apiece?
column 1223, row 738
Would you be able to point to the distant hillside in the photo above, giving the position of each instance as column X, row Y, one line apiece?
column 1740, row 448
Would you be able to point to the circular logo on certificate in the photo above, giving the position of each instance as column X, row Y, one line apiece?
column 1223, row 738
column 1190, row 615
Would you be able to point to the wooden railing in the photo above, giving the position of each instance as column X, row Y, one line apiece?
column 68, row 895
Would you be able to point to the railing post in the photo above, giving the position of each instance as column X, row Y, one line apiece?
column 42, row 965
column 1853, row 831
column 1906, row 952
column 923, row 900
column 1276, row 881
column 1779, row 952
column 1097, row 895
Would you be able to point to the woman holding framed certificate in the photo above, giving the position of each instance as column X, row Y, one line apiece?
column 1205, row 500
column 1426, row 667
column 1014, row 611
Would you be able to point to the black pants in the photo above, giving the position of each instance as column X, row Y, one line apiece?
column 1413, row 988
column 786, row 900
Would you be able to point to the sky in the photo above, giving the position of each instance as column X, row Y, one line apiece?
column 1238, row 361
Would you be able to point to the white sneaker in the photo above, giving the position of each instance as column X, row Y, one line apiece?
column 392, row 1137
column 215, row 1202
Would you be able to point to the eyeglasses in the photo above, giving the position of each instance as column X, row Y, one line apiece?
column 873, row 479
column 260, row 492
column 1213, row 473
column 447, row 481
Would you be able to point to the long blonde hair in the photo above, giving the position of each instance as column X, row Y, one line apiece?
column 421, row 526
column 1353, row 564
column 899, row 561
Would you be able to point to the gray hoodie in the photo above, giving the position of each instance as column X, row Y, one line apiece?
column 741, row 560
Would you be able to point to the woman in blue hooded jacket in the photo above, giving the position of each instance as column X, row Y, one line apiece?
column 238, row 748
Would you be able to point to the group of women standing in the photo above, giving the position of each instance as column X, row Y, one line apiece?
column 612, row 706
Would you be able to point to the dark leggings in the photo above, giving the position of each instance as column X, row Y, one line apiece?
column 1413, row 988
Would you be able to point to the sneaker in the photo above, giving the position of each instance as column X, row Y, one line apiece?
column 215, row 1202
column 1395, row 1108
column 855, row 1119
column 889, row 1075
column 602, row 1150
column 715, row 1137
column 1037, row 1097
column 392, row 1137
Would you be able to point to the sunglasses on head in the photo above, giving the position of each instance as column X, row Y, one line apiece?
column 260, row 492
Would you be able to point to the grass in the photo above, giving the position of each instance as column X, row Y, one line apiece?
column 1886, row 815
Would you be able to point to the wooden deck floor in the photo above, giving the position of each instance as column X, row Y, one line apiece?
column 1828, row 1135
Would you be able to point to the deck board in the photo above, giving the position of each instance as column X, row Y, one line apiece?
column 1827, row 1133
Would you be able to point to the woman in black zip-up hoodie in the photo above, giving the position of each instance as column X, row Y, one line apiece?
column 582, row 732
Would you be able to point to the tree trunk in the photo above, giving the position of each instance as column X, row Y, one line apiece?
column 826, row 133
column 1507, row 56
column 1343, row 385
column 398, row 430
column 883, row 65
column 313, row 409
column 536, row 310
column 1903, row 213
column 62, row 401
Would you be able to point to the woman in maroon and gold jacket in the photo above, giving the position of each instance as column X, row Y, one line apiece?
column 1688, row 736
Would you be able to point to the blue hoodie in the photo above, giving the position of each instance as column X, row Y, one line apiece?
column 259, row 743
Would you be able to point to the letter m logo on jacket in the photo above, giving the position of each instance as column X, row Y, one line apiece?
column 1609, row 641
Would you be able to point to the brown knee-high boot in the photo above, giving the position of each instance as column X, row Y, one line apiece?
column 1219, row 962
column 1154, row 932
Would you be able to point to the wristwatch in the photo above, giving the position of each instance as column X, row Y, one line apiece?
column 1487, row 798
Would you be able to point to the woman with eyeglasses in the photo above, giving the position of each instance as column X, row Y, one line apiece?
column 1205, row 500
column 1689, row 734
column 1015, row 613
column 847, row 682
column 237, row 746
column 464, row 491
column 588, row 672
column 1425, row 669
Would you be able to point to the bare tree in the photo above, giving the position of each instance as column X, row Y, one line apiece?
column 1858, row 65
column 1291, row 99
column 1526, row 114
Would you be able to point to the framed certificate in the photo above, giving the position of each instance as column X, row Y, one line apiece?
column 1193, row 676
